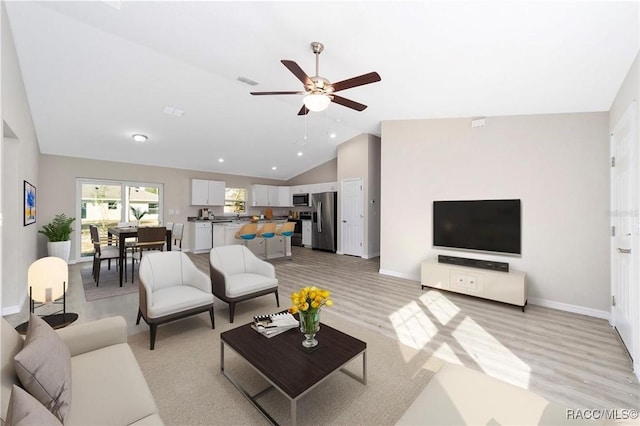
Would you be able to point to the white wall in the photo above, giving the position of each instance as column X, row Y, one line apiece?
column 556, row 164
column 19, row 163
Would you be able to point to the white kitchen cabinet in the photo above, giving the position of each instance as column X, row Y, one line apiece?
column 315, row 188
column 300, row 189
column 219, row 235
column 207, row 192
column 270, row 196
column 200, row 237
column 306, row 233
column 329, row 186
column 284, row 200
column 259, row 195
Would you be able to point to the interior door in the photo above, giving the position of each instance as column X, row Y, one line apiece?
column 352, row 227
column 624, row 222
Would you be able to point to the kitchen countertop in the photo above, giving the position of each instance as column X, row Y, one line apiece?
column 232, row 220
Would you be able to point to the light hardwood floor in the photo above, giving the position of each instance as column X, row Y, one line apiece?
column 571, row 359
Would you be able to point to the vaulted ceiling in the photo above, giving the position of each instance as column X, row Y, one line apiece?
column 97, row 72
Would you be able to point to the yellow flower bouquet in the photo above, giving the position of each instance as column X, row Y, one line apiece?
column 307, row 303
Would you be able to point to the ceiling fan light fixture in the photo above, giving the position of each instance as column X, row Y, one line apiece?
column 316, row 102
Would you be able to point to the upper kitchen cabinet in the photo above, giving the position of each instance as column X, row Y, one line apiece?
column 300, row 189
column 270, row 196
column 207, row 192
column 329, row 187
column 315, row 188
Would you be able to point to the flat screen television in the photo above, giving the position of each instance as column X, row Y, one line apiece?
column 481, row 225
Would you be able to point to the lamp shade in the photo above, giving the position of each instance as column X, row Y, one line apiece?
column 48, row 279
column 316, row 102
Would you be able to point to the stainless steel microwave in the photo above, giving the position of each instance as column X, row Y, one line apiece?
column 301, row 199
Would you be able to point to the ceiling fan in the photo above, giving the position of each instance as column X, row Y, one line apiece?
column 320, row 92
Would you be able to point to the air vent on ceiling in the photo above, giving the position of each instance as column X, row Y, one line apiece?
column 173, row 111
column 247, row 81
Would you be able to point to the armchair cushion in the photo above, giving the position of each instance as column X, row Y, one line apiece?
column 44, row 367
column 167, row 301
column 243, row 284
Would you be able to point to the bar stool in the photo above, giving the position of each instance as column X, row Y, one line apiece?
column 268, row 230
column 247, row 232
column 286, row 231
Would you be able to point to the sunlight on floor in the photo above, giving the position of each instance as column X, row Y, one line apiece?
column 416, row 330
column 439, row 306
column 491, row 355
column 412, row 326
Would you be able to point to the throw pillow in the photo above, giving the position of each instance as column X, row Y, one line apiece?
column 44, row 367
column 25, row 410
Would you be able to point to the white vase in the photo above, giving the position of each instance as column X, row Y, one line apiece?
column 61, row 249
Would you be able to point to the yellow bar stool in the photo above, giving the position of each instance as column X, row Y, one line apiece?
column 247, row 232
column 268, row 230
column 286, row 230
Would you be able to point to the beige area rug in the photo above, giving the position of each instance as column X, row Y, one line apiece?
column 109, row 282
column 184, row 375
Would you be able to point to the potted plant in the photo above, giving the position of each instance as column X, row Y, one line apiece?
column 58, row 231
column 138, row 214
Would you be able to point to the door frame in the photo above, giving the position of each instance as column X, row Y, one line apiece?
column 630, row 116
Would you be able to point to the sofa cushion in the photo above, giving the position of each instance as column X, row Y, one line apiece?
column 241, row 284
column 12, row 343
column 170, row 300
column 25, row 410
column 44, row 367
column 109, row 388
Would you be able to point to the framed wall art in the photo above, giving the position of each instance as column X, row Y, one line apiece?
column 29, row 203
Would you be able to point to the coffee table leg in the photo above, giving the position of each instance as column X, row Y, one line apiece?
column 221, row 356
column 362, row 379
column 294, row 412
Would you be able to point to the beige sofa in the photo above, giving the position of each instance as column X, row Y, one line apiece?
column 107, row 385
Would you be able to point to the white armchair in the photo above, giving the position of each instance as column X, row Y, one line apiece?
column 238, row 275
column 171, row 287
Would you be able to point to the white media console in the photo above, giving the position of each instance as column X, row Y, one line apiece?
column 507, row 287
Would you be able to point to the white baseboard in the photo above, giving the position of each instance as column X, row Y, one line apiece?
column 371, row 255
column 399, row 275
column 636, row 369
column 339, row 252
column 569, row 308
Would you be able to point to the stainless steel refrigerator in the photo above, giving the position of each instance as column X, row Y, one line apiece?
column 324, row 227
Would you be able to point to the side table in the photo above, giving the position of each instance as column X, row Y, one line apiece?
column 55, row 321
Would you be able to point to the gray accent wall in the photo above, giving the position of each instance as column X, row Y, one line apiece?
column 557, row 164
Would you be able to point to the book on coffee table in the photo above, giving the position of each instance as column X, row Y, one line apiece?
column 274, row 324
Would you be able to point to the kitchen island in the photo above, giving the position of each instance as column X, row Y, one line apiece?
column 207, row 233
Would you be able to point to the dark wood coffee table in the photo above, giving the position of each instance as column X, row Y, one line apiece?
column 287, row 366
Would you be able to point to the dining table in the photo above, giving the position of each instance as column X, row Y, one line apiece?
column 122, row 233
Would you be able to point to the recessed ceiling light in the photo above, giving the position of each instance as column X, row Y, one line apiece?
column 139, row 137
column 300, row 154
column 332, row 135
column 220, row 160
column 274, row 168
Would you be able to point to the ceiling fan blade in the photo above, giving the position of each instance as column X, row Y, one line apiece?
column 303, row 110
column 348, row 103
column 278, row 93
column 297, row 71
column 361, row 80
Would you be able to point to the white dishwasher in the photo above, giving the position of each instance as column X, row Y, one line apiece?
column 202, row 237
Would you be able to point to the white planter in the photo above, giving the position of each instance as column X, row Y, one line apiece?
column 61, row 249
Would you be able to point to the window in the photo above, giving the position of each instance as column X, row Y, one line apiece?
column 105, row 203
column 235, row 200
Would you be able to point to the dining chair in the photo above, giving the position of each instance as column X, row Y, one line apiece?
column 102, row 250
column 176, row 236
column 149, row 238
